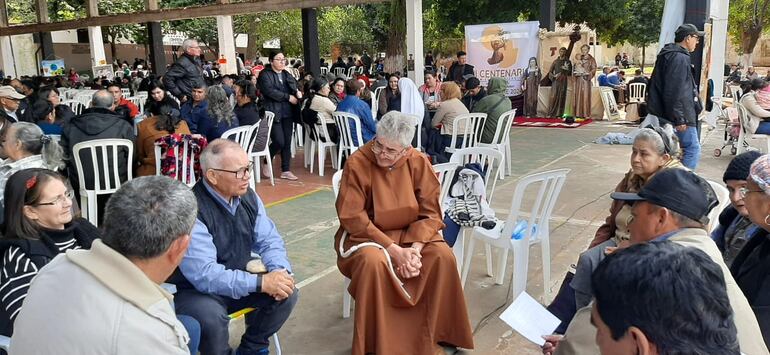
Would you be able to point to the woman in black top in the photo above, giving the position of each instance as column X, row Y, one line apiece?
column 249, row 112
column 158, row 98
column 38, row 226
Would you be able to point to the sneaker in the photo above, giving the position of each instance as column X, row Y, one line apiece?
column 288, row 176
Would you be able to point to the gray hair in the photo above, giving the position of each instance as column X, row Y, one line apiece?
column 33, row 141
column 681, row 220
column 398, row 127
column 190, row 42
column 147, row 214
column 102, row 99
column 219, row 105
column 663, row 139
column 210, row 157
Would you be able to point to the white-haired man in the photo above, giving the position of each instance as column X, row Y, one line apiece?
column 186, row 72
column 213, row 280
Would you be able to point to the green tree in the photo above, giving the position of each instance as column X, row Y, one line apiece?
column 640, row 26
column 112, row 34
column 394, row 54
column 748, row 20
column 336, row 24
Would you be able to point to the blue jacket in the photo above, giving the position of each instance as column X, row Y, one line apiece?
column 602, row 79
column 613, row 79
column 209, row 128
column 352, row 104
column 190, row 114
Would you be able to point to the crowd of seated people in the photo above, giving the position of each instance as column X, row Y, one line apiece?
column 157, row 231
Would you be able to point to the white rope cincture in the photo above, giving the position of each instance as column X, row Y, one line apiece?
column 347, row 253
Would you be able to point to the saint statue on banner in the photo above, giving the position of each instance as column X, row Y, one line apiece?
column 530, row 85
column 585, row 69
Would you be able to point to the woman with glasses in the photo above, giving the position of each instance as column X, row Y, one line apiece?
column 27, row 147
column 735, row 227
column 281, row 95
column 750, row 267
column 38, row 226
column 404, row 278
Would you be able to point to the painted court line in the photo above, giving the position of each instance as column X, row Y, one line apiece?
column 317, row 276
column 271, row 204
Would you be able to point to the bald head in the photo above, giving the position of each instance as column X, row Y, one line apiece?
column 211, row 157
column 103, row 99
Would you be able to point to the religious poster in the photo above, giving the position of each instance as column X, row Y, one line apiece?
column 104, row 71
column 502, row 50
column 52, row 67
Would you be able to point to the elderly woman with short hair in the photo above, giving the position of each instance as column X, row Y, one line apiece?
column 27, row 147
column 403, row 275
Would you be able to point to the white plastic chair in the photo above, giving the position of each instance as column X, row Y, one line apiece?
column 322, row 142
column 466, row 127
column 324, row 70
column 138, row 101
column 547, row 186
column 636, row 92
column 444, row 173
column 347, row 145
column 137, row 121
column 488, row 158
column 74, row 105
column 735, row 92
column 502, row 141
column 85, row 99
column 339, row 72
column 185, row 162
column 126, row 92
column 376, row 95
column 244, row 136
column 142, row 94
column 104, row 158
column 264, row 153
column 297, row 138
column 723, row 195
column 347, row 300
column 745, row 135
column 351, row 71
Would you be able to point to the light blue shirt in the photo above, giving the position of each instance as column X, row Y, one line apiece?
column 352, row 104
column 200, row 265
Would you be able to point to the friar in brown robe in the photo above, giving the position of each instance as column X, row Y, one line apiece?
column 398, row 204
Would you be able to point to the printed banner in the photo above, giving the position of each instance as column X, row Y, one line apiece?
column 502, row 50
column 52, row 67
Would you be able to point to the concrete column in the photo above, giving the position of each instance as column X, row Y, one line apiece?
column 6, row 51
column 310, row 41
column 46, row 43
column 157, row 54
column 97, row 46
column 226, row 44
column 155, row 36
column 95, row 36
column 548, row 14
column 719, row 12
column 414, row 44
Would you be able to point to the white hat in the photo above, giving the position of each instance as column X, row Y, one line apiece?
column 9, row 91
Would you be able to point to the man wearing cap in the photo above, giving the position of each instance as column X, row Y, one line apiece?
column 673, row 93
column 674, row 206
column 9, row 101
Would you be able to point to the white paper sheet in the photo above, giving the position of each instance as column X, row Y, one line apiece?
column 530, row 319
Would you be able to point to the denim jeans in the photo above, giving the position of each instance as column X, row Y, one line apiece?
column 688, row 141
column 763, row 128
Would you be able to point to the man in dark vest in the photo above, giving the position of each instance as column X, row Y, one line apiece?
column 217, row 275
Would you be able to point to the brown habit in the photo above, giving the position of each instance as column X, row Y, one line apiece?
column 398, row 205
column 583, row 84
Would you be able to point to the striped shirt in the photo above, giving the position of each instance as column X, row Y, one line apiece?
column 17, row 273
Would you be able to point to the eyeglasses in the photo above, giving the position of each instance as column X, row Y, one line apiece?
column 59, row 201
column 379, row 149
column 242, row 173
column 743, row 191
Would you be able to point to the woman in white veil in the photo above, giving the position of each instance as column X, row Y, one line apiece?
column 413, row 104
